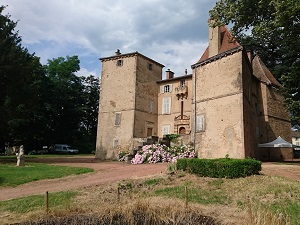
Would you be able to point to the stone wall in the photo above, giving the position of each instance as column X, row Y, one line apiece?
column 219, row 98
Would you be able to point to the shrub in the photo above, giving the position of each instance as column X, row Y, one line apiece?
column 219, row 168
column 173, row 137
column 121, row 155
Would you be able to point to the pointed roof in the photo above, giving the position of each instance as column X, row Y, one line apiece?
column 263, row 73
column 227, row 43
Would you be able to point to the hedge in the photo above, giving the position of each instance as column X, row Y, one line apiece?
column 220, row 168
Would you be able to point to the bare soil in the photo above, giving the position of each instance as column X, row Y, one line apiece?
column 109, row 172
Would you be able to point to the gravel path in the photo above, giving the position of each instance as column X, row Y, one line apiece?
column 105, row 172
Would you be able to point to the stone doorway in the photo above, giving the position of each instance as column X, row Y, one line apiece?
column 149, row 131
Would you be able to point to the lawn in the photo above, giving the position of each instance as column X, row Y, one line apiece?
column 11, row 175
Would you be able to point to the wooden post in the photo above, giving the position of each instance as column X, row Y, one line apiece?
column 47, row 202
column 118, row 194
column 186, row 197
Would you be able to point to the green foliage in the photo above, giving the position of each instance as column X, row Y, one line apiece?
column 225, row 167
column 172, row 137
column 274, row 30
column 44, row 105
column 152, row 182
column 11, row 175
column 20, row 85
column 37, row 202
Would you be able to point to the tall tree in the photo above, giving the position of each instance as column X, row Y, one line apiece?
column 20, row 75
column 65, row 99
column 272, row 29
column 89, row 121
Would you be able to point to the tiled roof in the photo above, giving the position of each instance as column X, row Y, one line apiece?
column 227, row 43
column 296, row 134
column 262, row 72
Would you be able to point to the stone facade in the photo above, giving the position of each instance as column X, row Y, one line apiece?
column 227, row 106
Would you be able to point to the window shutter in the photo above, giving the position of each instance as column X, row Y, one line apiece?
column 151, row 106
column 117, row 119
column 166, row 105
column 200, row 123
column 161, row 89
column 166, row 129
column 170, row 85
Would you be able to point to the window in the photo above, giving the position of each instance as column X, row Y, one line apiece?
column 151, row 106
column 120, row 62
column 166, row 88
column 182, row 83
column 115, row 143
column 118, row 119
column 200, row 122
column 257, row 132
column 166, row 129
column 150, row 66
column 166, row 107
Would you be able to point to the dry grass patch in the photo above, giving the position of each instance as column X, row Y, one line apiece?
column 255, row 200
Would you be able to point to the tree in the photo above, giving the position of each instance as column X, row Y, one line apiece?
column 20, row 75
column 64, row 101
column 274, row 28
column 90, row 119
column 43, row 105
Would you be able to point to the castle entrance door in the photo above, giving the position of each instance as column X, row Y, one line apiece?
column 149, row 132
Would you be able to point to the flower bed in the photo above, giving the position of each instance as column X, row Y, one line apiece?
column 160, row 153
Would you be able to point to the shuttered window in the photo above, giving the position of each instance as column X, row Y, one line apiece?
column 166, row 107
column 166, row 88
column 118, row 119
column 151, row 106
column 166, row 129
column 200, row 122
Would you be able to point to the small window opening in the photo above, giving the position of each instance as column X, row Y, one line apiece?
column 120, row 62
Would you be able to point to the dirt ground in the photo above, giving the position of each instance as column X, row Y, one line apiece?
column 109, row 172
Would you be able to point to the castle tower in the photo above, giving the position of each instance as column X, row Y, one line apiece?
column 128, row 102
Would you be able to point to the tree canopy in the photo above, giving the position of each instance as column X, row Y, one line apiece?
column 43, row 104
column 272, row 29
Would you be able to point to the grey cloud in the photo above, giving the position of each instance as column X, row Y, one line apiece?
column 155, row 28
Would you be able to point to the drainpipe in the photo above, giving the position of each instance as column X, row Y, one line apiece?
column 195, row 107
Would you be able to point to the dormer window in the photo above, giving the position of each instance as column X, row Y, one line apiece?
column 119, row 62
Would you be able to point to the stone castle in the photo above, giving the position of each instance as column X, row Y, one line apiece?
column 227, row 106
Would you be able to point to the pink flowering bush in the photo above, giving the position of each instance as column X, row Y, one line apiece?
column 161, row 153
column 121, row 155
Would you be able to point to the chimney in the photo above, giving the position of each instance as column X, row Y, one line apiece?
column 169, row 74
column 214, row 39
column 118, row 52
column 185, row 72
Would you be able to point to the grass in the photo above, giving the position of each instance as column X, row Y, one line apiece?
column 37, row 202
column 200, row 196
column 254, row 200
column 11, row 175
column 3, row 157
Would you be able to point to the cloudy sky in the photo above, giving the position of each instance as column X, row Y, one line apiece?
column 172, row 32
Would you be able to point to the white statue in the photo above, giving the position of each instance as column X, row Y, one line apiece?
column 20, row 156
